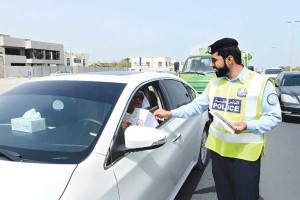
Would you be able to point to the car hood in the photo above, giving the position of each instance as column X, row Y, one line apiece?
column 291, row 90
column 33, row 181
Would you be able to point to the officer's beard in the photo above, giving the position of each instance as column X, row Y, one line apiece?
column 221, row 72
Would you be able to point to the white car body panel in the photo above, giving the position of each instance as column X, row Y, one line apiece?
column 91, row 181
column 33, row 181
column 168, row 165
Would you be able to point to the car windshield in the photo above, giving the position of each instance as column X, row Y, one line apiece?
column 55, row 121
column 291, row 80
column 198, row 64
column 273, row 71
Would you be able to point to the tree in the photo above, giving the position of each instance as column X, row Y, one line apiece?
column 114, row 63
column 124, row 63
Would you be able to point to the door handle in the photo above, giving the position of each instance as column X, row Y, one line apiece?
column 177, row 138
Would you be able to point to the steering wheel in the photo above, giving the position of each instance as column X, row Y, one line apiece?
column 85, row 137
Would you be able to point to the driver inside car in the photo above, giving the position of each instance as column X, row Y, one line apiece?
column 139, row 100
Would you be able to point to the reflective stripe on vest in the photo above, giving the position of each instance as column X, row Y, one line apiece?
column 253, row 94
column 236, row 138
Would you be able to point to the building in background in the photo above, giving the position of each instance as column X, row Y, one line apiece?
column 28, row 53
column 75, row 59
column 25, row 56
column 159, row 64
column 151, row 64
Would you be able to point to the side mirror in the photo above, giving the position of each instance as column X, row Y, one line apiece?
column 139, row 138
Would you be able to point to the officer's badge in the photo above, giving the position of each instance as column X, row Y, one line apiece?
column 272, row 99
column 242, row 92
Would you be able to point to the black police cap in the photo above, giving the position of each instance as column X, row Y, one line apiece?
column 222, row 43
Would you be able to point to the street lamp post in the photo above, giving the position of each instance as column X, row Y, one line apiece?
column 292, row 42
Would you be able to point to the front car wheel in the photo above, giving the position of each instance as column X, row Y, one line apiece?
column 204, row 152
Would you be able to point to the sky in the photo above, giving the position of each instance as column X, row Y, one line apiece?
column 112, row 30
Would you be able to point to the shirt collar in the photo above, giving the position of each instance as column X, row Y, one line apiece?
column 241, row 77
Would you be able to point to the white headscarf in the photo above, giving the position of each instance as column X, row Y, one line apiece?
column 145, row 103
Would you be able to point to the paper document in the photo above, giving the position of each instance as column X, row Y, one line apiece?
column 227, row 125
column 141, row 117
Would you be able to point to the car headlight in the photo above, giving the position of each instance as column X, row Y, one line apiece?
column 288, row 99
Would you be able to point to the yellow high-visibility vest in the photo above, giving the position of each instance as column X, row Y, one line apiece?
column 236, row 102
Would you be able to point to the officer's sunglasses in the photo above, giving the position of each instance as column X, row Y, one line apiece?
column 214, row 60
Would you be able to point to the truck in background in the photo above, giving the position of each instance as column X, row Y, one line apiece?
column 197, row 70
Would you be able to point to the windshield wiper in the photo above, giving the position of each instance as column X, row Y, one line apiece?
column 12, row 156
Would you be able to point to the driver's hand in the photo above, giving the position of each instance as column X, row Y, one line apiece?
column 125, row 124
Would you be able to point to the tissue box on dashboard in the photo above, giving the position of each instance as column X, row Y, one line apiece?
column 28, row 125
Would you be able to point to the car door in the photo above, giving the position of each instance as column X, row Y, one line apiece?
column 151, row 174
column 188, row 131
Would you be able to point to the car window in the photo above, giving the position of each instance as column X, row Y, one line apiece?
column 278, row 79
column 273, row 71
column 179, row 94
column 198, row 64
column 55, row 121
column 153, row 102
column 291, row 80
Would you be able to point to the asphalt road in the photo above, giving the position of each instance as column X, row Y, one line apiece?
column 280, row 169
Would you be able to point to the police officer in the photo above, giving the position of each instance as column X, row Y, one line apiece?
column 248, row 101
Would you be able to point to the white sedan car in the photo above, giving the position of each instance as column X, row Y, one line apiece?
column 272, row 72
column 61, row 137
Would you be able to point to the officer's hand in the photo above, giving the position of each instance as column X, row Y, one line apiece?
column 239, row 127
column 161, row 114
